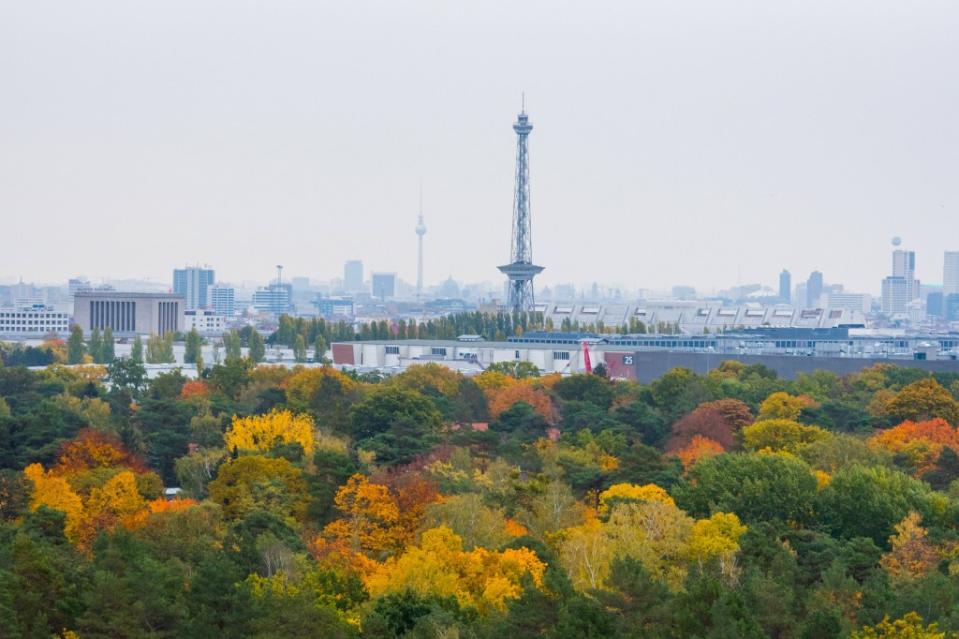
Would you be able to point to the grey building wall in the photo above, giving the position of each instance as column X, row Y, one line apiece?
column 649, row 366
column 129, row 314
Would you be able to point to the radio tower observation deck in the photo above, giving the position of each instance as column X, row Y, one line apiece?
column 521, row 269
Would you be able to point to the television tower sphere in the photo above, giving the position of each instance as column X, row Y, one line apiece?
column 896, row 241
column 421, row 227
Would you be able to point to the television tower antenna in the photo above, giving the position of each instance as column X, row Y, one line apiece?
column 521, row 270
column 420, row 232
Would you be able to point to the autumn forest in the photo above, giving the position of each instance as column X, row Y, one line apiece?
column 263, row 501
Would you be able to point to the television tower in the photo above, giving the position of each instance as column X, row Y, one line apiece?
column 420, row 232
column 521, row 269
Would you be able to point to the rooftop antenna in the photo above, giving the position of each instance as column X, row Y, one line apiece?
column 524, row 102
column 279, row 275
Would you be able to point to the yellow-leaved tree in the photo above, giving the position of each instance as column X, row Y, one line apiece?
column 276, row 428
column 664, row 539
column 116, row 502
column 96, row 483
column 781, row 435
column 716, row 537
column 480, row 578
column 781, row 405
column 619, row 493
column 909, row 627
column 912, row 554
column 54, row 492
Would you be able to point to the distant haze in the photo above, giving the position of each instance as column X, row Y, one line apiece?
column 674, row 141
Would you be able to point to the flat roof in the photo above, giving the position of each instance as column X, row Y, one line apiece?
column 122, row 295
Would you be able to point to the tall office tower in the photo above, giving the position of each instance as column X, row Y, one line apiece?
column 420, row 232
column 813, row 289
column 785, row 286
column 904, row 264
column 223, row 300
column 353, row 276
column 950, row 273
column 193, row 283
column 521, row 270
column 902, row 287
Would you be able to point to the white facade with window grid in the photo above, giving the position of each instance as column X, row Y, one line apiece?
column 33, row 321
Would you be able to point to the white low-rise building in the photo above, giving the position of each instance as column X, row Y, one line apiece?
column 34, row 320
column 205, row 322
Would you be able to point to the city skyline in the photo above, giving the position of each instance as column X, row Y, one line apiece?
column 359, row 282
column 215, row 152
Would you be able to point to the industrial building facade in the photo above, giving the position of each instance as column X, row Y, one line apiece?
column 696, row 316
column 128, row 314
column 646, row 357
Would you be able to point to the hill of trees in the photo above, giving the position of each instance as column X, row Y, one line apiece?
column 316, row 503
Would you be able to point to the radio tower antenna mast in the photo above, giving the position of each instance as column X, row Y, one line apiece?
column 521, row 270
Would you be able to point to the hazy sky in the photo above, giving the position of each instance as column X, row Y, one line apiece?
column 675, row 142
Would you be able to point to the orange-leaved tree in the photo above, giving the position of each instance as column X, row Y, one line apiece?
column 412, row 493
column 503, row 398
column 96, row 483
column 92, row 449
column 369, row 517
column 194, row 388
column 920, row 443
column 698, row 448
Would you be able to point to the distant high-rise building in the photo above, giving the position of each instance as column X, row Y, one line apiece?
column 860, row 302
column 904, row 264
column 813, row 289
column 275, row 298
column 902, row 287
column 950, row 273
column 383, row 285
column 223, row 300
column 785, row 286
column 897, row 292
column 193, row 283
column 334, row 307
column 353, row 276
column 935, row 306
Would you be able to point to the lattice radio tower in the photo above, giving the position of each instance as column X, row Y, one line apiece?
column 521, row 269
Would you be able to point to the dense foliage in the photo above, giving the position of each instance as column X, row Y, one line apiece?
column 315, row 503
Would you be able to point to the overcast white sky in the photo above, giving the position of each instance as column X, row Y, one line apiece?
column 675, row 142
